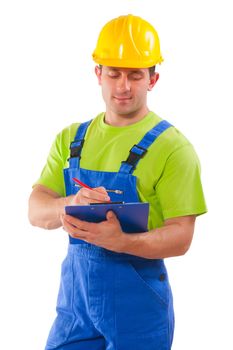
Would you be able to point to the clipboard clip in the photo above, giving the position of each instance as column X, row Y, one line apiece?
column 106, row 203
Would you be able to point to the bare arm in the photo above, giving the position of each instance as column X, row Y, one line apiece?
column 47, row 206
column 173, row 239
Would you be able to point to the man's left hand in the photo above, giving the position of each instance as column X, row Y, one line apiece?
column 107, row 234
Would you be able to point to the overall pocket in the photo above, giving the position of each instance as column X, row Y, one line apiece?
column 153, row 274
column 141, row 300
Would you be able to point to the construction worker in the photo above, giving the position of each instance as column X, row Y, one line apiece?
column 115, row 292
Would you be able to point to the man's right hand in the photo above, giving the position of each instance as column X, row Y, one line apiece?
column 47, row 206
column 87, row 196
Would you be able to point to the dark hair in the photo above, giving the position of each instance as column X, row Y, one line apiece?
column 151, row 69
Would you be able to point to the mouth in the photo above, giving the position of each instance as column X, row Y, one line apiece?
column 122, row 98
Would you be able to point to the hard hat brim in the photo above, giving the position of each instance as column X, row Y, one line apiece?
column 127, row 63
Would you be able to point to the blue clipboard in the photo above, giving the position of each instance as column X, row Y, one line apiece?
column 132, row 216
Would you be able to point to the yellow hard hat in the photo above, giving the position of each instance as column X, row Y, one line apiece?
column 128, row 41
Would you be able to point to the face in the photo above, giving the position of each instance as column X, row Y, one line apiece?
column 125, row 90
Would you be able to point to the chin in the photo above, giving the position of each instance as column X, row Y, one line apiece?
column 123, row 110
column 125, row 113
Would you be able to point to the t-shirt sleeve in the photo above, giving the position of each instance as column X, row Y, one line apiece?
column 179, row 189
column 52, row 173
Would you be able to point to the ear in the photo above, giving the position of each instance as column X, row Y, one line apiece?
column 98, row 72
column 153, row 80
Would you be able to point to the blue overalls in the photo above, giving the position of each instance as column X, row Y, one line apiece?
column 109, row 300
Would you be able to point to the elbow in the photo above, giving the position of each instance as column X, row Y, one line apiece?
column 31, row 217
column 36, row 216
column 42, row 211
column 186, row 243
column 32, row 212
column 42, row 222
column 184, row 249
column 47, row 225
column 33, row 220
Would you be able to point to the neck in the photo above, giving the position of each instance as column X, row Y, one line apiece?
column 115, row 119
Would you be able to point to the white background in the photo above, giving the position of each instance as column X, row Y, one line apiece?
column 46, row 83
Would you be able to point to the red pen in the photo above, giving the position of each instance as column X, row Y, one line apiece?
column 81, row 183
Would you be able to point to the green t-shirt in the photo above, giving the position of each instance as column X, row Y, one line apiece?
column 168, row 176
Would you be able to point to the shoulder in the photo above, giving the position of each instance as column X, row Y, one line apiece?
column 67, row 135
column 178, row 155
column 179, row 146
column 61, row 144
column 172, row 140
column 172, row 150
column 64, row 138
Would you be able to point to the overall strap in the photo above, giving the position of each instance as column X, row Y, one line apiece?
column 139, row 150
column 77, row 145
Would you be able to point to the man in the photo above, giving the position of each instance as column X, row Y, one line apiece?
column 115, row 292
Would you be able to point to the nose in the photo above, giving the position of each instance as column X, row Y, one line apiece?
column 123, row 84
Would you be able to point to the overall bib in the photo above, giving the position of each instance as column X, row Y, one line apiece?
column 109, row 300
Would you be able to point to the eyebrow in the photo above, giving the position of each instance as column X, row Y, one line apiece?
column 131, row 71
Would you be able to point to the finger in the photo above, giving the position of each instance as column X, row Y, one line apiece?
column 101, row 189
column 111, row 216
column 74, row 232
column 76, row 223
column 90, row 201
column 94, row 195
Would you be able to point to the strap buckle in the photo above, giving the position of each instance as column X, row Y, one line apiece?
column 134, row 157
column 75, row 148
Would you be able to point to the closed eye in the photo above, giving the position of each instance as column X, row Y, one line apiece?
column 136, row 76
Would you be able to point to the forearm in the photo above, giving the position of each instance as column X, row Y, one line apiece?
column 163, row 242
column 47, row 206
column 45, row 211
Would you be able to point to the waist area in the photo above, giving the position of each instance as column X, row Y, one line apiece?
column 89, row 251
